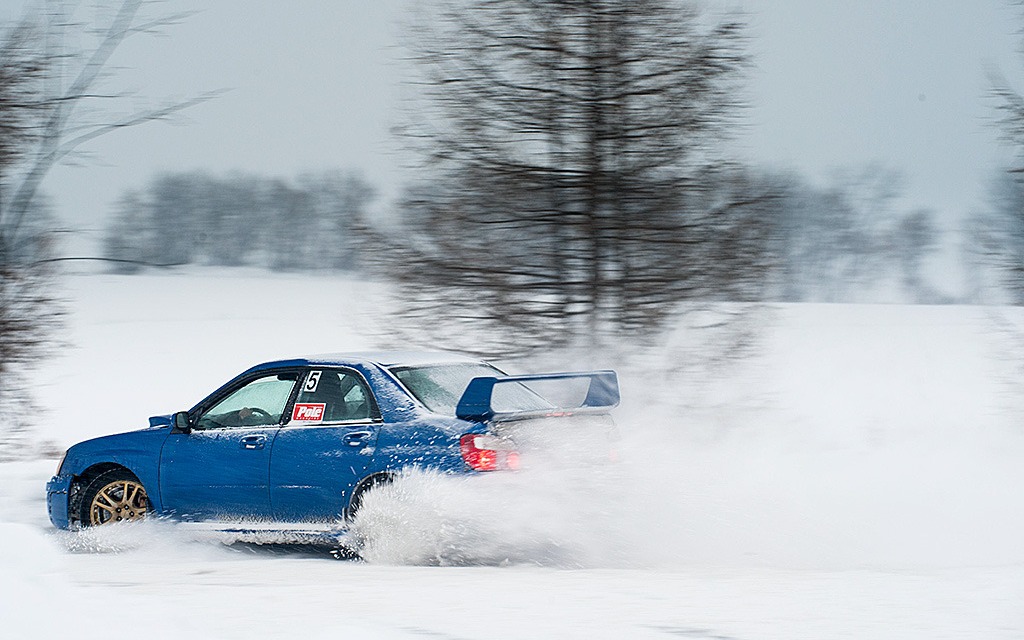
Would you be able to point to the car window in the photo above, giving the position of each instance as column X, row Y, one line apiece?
column 258, row 403
column 332, row 395
column 439, row 387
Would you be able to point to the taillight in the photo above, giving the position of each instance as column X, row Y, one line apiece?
column 488, row 453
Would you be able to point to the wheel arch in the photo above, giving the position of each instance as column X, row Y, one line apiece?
column 369, row 482
column 81, row 480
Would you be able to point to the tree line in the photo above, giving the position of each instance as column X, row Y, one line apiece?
column 841, row 242
column 239, row 219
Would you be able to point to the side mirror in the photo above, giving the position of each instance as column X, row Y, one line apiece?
column 182, row 423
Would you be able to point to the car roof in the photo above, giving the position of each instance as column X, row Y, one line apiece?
column 380, row 358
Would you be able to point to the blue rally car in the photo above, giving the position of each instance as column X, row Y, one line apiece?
column 301, row 441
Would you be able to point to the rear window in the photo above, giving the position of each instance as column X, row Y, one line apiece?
column 439, row 387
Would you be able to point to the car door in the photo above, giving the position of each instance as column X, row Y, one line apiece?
column 325, row 447
column 220, row 469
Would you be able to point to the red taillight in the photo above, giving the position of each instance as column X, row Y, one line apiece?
column 488, row 453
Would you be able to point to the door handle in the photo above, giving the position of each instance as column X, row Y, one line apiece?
column 253, row 442
column 356, row 438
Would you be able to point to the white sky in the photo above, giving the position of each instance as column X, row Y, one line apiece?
column 318, row 84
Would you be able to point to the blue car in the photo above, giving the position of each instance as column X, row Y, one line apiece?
column 300, row 441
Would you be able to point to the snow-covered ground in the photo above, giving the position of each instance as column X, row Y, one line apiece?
column 859, row 477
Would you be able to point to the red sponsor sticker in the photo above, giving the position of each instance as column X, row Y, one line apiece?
column 308, row 412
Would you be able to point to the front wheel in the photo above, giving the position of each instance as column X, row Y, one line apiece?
column 114, row 496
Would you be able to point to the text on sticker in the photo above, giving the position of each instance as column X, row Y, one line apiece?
column 308, row 412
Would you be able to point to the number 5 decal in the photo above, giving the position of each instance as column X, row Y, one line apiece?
column 312, row 380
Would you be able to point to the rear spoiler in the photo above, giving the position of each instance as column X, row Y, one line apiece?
column 475, row 404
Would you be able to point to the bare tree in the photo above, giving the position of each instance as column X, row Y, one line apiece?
column 998, row 234
column 916, row 237
column 849, row 241
column 996, row 254
column 42, row 92
column 576, row 183
column 1005, row 238
column 128, row 239
column 28, row 313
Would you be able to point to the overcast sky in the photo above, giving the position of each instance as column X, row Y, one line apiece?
column 837, row 84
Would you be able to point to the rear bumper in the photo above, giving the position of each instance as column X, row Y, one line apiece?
column 57, row 500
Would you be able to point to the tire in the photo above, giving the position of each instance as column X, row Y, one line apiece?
column 113, row 496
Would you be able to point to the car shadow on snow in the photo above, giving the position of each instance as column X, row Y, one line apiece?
column 294, row 550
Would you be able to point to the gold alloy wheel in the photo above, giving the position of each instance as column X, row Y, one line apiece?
column 117, row 501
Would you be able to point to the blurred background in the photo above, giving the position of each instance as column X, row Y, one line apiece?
column 795, row 228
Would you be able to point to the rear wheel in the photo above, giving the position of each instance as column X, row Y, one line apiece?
column 360, row 492
column 114, row 496
column 352, row 544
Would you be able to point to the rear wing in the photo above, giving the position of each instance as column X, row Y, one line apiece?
column 477, row 400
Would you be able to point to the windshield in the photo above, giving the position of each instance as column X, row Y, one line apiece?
column 439, row 387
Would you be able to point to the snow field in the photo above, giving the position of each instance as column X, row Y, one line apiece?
column 858, row 478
